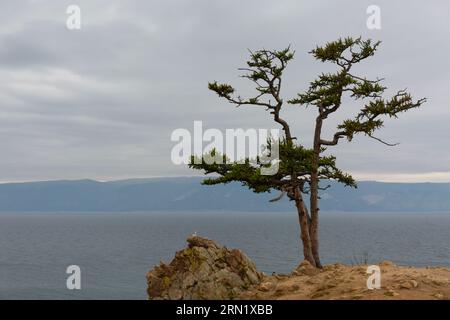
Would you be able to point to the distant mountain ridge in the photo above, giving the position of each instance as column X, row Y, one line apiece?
column 187, row 194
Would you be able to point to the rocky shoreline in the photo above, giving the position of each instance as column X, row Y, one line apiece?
column 205, row 270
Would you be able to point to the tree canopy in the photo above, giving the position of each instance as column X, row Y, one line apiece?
column 300, row 169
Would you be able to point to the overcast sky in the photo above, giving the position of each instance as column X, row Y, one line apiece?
column 101, row 102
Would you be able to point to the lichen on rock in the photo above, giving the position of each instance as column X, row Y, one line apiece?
column 203, row 270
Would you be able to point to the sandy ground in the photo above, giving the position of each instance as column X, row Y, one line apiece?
column 339, row 281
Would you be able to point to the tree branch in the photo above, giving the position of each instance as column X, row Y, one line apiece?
column 383, row 142
column 278, row 197
column 337, row 136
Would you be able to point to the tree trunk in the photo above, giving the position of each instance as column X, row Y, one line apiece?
column 314, row 226
column 314, row 191
column 304, row 228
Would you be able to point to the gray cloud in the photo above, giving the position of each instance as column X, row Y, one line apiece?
column 101, row 102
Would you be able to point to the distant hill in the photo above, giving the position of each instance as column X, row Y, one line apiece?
column 187, row 194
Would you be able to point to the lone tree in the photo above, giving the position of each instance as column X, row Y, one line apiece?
column 301, row 169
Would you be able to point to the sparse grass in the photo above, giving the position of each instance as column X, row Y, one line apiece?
column 360, row 259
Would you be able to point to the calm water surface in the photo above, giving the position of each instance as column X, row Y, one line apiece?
column 115, row 251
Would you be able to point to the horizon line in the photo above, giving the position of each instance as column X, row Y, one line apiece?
column 108, row 180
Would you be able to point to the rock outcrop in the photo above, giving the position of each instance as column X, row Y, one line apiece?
column 203, row 270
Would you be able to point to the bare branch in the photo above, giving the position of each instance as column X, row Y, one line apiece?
column 337, row 136
column 378, row 80
column 239, row 103
column 278, row 197
column 383, row 142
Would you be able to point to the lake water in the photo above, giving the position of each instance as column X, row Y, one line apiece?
column 115, row 251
